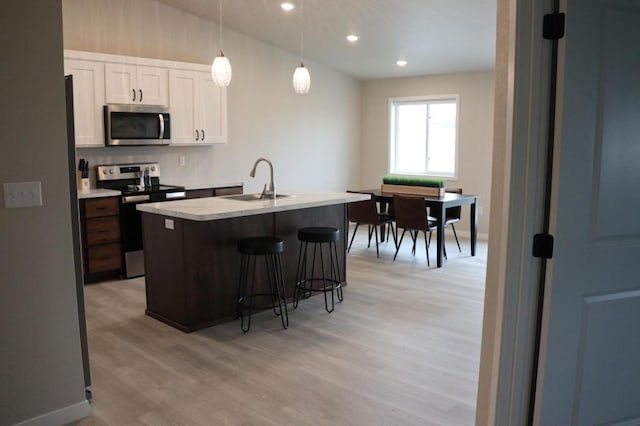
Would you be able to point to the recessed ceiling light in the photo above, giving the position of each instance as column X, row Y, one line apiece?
column 353, row 38
column 287, row 6
column 401, row 62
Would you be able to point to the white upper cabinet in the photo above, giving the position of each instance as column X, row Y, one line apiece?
column 136, row 84
column 212, row 104
column 198, row 108
column 183, row 87
column 88, row 99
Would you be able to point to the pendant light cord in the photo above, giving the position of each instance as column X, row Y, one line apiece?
column 301, row 30
column 220, row 26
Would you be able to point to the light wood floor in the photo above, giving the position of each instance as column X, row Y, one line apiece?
column 402, row 349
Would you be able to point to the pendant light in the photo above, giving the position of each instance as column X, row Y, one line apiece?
column 221, row 68
column 301, row 77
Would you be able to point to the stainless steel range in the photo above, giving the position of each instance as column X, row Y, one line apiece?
column 138, row 183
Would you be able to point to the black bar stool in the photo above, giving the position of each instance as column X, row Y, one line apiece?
column 318, row 237
column 270, row 248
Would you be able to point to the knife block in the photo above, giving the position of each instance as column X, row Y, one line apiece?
column 84, row 185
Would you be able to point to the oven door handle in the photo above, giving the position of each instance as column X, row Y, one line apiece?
column 175, row 195
column 135, row 199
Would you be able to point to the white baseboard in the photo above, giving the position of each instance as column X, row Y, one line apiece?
column 467, row 234
column 61, row 416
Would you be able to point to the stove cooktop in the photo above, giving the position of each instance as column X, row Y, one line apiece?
column 127, row 179
column 154, row 189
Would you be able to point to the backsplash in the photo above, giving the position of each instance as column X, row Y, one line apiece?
column 197, row 167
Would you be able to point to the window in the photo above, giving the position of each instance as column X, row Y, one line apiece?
column 424, row 134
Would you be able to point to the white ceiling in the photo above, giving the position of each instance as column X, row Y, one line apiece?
column 434, row 36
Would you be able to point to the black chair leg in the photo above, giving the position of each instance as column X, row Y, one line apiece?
column 455, row 234
column 426, row 246
column 281, row 291
column 335, row 270
column 414, row 237
column 250, row 265
column 375, row 228
column 391, row 228
column 323, row 279
column 352, row 237
column 399, row 244
column 394, row 231
column 301, row 280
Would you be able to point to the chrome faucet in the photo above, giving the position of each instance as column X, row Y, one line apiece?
column 266, row 193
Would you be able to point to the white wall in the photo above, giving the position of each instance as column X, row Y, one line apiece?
column 475, row 137
column 40, row 359
column 313, row 140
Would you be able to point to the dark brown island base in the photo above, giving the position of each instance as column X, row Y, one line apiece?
column 191, row 260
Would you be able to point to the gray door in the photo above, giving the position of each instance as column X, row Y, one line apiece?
column 590, row 355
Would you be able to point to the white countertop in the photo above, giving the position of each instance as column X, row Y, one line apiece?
column 213, row 208
column 97, row 193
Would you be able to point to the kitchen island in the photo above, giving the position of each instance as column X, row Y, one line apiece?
column 190, row 253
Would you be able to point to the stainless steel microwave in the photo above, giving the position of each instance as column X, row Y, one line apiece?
column 126, row 125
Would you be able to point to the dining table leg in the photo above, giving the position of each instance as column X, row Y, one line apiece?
column 438, row 212
column 474, row 229
column 384, row 208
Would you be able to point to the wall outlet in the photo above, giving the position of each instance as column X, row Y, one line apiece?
column 22, row 194
column 182, row 160
column 168, row 223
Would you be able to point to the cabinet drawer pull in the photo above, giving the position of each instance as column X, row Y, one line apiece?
column 105, row 258
column 134, row 94
column 103, row 231
column 140, row 90
column 197, row 135
column 203, row 135
column 102, row 208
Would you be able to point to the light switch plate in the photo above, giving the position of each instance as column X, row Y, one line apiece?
column 22, row 194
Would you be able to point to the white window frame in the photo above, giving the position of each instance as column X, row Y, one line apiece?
column 392, row 130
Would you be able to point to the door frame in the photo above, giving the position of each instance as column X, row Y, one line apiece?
column 517, row 206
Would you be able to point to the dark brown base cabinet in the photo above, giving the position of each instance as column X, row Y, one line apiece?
column 100, row 234
column 102, row 257
column 192, row 270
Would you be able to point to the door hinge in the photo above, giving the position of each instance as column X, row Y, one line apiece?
column 543, row 246
column 553, row 26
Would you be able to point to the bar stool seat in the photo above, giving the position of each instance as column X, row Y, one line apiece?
column 250, row 249
column 323, row 240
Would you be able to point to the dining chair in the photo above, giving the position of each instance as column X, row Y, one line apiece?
column 366, row 213
column 452, row 215
column 410, row 214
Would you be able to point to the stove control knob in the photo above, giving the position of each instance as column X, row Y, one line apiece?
column 110, row 171
column 153, row 168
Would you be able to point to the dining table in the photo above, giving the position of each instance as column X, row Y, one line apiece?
column 437, row 208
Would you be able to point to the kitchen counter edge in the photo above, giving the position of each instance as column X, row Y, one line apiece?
column 98, row 193
column 205, row 209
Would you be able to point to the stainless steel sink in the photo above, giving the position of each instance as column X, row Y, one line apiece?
column 254, row 197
